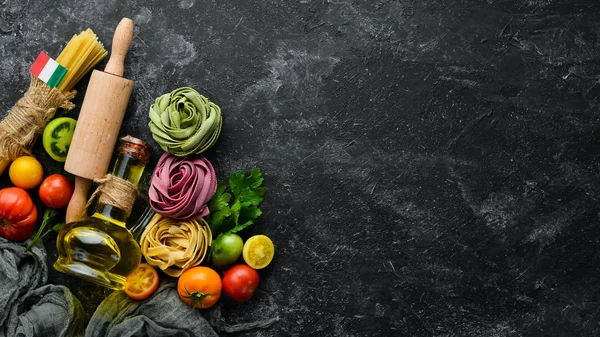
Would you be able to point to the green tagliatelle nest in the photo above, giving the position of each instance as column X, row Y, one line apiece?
column 184, row 122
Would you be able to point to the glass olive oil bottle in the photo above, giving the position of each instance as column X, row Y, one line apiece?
column 100, row 248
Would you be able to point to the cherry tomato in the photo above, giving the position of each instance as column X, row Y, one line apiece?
column 258, row 251
column 226, row 249
column 17, row 214
column 142, row 283
column 26, row 172
column 57, row 137
column 200, row 287
column 56, row 191
column 240, row 282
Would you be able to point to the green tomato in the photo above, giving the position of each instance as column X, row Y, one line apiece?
column 226, row 250
column 57, row 137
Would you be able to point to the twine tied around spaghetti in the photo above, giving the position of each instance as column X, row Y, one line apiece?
column 28, row 118
column 114, row 191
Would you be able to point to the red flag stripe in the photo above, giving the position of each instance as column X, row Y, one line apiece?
column 39, row 64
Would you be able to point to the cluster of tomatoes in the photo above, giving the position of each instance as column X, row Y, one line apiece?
column 18, row 213
column 201, row 286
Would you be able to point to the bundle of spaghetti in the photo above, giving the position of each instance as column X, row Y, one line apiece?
column 28, row 117
column 81, row 55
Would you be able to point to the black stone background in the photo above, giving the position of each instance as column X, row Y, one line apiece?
column 432, row 166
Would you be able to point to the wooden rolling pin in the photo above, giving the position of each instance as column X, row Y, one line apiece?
column 99, row 122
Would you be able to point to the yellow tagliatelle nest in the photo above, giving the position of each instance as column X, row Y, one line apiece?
column 174, row 245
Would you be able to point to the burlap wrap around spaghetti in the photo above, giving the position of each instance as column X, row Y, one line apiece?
column 28, row 118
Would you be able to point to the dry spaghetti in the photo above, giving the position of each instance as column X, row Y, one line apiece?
column 27, row 119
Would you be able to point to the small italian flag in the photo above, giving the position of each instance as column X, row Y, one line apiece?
column 48, row 70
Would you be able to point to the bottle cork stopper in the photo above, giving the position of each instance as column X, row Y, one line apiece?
column 135, row 148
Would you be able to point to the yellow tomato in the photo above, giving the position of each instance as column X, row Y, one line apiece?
column 26, row 172
column 258, row 251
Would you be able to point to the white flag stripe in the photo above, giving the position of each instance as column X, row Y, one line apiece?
column 48, row 70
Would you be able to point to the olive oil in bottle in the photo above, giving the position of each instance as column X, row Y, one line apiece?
column 100, row 248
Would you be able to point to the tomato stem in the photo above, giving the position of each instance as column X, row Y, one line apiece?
column 196, row 296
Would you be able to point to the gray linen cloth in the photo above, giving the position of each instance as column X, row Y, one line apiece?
column 163, row 314
column 28, row 308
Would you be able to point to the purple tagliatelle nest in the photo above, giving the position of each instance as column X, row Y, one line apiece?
column 181, row 186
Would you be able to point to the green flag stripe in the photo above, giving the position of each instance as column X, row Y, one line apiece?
column 57, row 76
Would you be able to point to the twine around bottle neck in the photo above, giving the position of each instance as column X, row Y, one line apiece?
column 114, row 191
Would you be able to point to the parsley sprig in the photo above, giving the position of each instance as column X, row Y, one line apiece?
column 235, row 207
column 49, row 216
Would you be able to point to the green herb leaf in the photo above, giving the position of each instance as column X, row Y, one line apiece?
column 253, row 196
column 58, row 227
column 49, row 215
column 249, row 212
column 235, row 210
column 219, row 205
column 231, row 216
column 240, row 227
column 219, row 217
column 255, row 178
column 236, row 183
column 221, row 199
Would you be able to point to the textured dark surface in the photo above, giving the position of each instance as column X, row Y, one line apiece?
column 432, row 166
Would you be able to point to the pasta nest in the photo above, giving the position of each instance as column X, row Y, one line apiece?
column 174, row 245
column 184, row 122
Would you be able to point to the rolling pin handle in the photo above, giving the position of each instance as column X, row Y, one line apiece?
column 76, row 208
column 120, row 45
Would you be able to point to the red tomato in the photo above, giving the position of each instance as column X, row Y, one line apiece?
column 17, row 214
column 142, row 283
column 56, row 191
column 199, row 287
column 240, row 282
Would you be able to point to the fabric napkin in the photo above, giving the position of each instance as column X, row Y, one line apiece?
column 28, row 307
